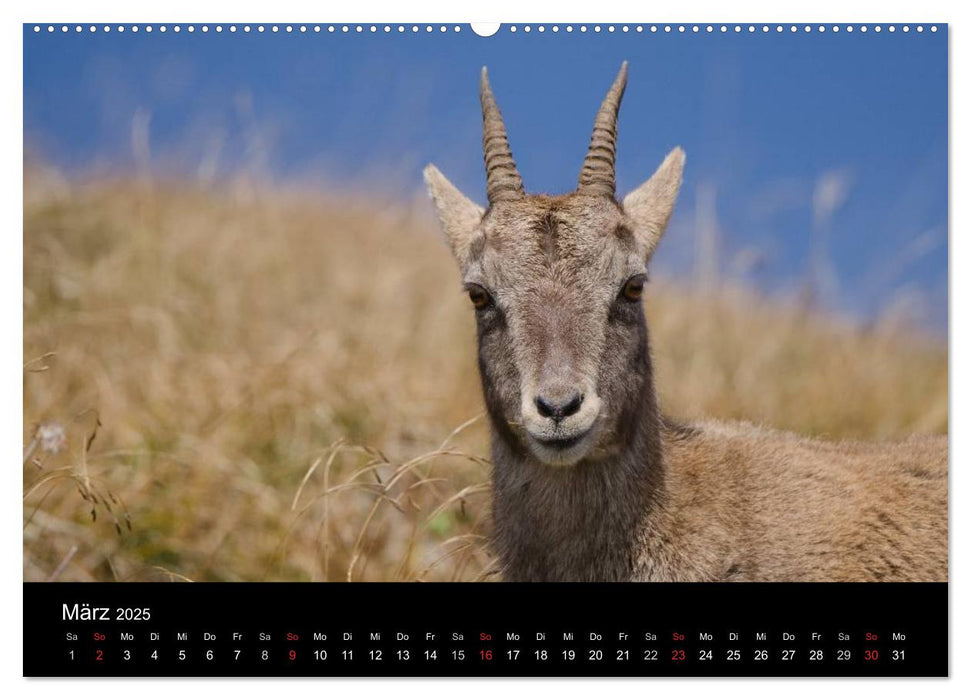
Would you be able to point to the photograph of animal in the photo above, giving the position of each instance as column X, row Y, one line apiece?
column 248, row 354
column 591, row 482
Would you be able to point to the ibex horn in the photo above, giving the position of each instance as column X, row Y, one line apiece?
column 502, row 179
column 597, row 174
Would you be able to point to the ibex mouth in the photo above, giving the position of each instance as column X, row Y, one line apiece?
column 561, row 451
column 562, row 443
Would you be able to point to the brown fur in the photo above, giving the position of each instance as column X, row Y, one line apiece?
column 760, row 505
column 612, row 491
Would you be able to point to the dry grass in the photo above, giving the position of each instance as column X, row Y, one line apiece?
column 259, row 384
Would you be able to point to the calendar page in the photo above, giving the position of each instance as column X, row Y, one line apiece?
column 542, row 349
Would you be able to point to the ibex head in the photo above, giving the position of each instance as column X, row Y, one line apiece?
column 556, row 282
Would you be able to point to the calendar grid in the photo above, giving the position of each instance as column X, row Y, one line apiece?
column 486, row 630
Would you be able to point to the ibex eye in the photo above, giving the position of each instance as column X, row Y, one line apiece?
column 634, row 288
column 479, row 296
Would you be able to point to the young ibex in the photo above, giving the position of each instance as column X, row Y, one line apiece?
column 591, row 483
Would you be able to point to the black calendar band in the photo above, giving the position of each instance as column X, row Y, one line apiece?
column 410, row 629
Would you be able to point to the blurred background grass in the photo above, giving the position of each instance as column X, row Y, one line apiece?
column 254, row 382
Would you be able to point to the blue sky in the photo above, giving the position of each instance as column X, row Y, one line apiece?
column 830, row 147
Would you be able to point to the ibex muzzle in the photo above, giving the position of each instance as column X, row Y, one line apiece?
column 558, row 388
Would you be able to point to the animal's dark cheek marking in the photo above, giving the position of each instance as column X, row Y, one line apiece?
column 489, row 321
column 625, row 313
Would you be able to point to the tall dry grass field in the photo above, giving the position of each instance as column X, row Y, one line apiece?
column 250, row 383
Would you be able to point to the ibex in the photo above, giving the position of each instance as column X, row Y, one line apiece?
column 590, row 481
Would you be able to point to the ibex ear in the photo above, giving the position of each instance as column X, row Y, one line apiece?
column 460, row 216
column 649, row 207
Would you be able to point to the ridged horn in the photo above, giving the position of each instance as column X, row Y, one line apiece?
column 597, row 174
column 502, row 178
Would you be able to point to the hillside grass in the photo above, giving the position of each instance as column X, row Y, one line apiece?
column 255, row 383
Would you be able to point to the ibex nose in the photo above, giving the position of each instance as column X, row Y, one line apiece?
column 558, row 410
